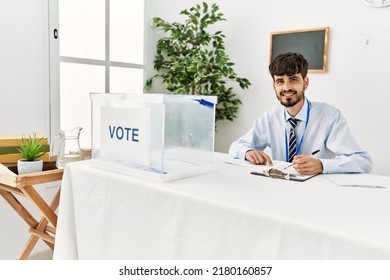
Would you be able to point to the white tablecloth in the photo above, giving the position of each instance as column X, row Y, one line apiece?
column 224, row 214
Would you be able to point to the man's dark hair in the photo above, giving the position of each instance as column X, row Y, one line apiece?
column 289, row 64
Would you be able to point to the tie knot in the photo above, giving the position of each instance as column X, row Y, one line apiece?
column 293, row 122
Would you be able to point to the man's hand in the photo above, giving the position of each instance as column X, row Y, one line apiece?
column 307, row 165
column 258, row 157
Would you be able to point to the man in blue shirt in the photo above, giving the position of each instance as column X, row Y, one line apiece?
column 320, row 128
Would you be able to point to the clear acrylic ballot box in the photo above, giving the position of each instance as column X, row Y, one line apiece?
column 161, row 137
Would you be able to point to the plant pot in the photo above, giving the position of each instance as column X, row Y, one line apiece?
column 26, row 166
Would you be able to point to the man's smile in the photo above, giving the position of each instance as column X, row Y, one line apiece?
column 288, row 93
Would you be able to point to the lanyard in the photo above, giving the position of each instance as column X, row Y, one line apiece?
column 303, row 135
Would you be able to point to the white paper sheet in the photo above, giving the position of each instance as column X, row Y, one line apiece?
column 239, row 162
column 356, row 180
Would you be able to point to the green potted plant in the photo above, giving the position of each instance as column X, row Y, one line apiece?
column 191, row 60
column 31, row 148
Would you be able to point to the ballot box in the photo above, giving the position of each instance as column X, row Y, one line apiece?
column 160, row 137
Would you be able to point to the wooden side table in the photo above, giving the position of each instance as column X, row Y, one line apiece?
column 12, row 185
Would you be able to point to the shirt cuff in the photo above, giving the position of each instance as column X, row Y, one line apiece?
column 243, row 152
column 328, row 166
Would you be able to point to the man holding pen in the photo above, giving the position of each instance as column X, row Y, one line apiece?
column 313, row 136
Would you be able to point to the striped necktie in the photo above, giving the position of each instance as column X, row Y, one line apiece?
column 292, row 141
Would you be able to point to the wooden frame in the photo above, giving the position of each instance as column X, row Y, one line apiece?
column 311, row 43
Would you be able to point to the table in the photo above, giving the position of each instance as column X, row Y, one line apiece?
column 13, row 185
column 224, row 214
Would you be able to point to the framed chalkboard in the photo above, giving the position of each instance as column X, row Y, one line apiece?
column 311, row 43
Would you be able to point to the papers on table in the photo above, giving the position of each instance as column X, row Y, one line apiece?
column 356, row 180
column 281, row 167
column 350, row 180
column 245, row 163
column 281, row 170
column 239, row 162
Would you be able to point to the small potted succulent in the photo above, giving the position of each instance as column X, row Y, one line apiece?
column 31, row 148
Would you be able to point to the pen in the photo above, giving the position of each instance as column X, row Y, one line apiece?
column 313, row 153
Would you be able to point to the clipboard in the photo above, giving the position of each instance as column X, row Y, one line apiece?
column 277, row 174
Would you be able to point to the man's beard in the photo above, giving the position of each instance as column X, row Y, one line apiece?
column 293, row 100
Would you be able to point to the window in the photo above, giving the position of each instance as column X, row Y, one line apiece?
column 100, row 48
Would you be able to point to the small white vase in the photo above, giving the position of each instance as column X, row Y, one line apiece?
column 25, row 166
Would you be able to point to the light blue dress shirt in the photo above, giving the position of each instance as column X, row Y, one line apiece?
column 327, row 131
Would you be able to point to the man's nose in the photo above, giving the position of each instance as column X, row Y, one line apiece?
column 286, row 86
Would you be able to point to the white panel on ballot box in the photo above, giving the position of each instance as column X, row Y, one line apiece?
column 126, row 134
column 161, row 137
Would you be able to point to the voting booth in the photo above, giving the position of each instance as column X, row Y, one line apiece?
column 160, row 137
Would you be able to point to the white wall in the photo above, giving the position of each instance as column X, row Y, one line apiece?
column 24, row 98
column 23, row 86
column 356, row 80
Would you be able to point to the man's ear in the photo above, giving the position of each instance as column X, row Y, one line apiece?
column 306, row 82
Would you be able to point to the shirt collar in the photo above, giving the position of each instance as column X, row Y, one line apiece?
column 302, row 114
